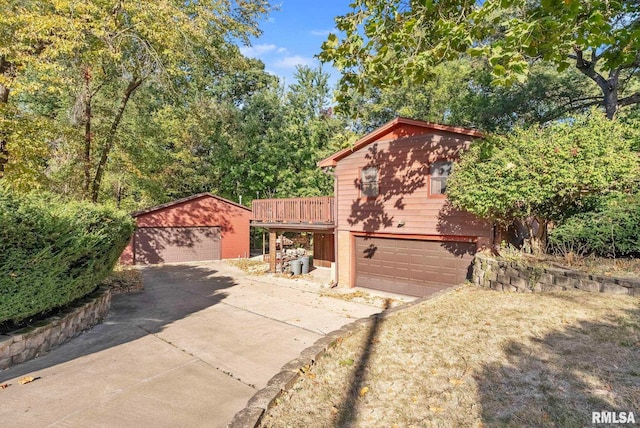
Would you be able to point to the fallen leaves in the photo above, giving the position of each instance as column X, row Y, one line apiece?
column 346, row 362
column 23, row 381
column 27, row 379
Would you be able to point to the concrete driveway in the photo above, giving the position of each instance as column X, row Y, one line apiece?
column 189, row 351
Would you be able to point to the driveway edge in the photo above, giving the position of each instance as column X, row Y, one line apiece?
column 264, row 399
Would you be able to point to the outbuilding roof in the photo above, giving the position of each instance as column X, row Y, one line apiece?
column 187, row 199
column 388, row 128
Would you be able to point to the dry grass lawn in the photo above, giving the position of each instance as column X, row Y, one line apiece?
column 475, row 358
column 253, row 267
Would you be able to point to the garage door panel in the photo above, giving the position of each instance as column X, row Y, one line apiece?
column 412, row 267
column 177, row 244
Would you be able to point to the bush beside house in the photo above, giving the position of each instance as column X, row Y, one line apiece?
column 610, row 230
column 54, row 252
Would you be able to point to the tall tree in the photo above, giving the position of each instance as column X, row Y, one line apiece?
column 384, row 41
column 460, row 92
column 281, row 135
column 311, row 132
column 111, row 48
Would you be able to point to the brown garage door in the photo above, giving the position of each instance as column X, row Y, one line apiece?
column 176, row 244
column 407, row 266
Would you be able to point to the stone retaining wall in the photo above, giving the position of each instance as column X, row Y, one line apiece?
column 505, row 275
column 30, row 342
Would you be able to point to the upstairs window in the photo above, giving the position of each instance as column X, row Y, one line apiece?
column 440, row 172
column 369, row 182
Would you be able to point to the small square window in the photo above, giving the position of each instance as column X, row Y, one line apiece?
column 440, row 172
column 369, row 182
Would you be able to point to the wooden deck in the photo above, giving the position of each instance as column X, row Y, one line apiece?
column 317, row 211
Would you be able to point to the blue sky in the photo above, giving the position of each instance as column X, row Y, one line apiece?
column 294, row 34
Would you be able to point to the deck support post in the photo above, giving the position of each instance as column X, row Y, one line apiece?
column 272, row 251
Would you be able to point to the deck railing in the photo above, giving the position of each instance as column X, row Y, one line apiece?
column 294, row 210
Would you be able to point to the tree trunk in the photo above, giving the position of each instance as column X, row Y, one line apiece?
column 609, row 87
column 87, row 134
column 610, row 100
column 536, row 240
column 4, row 99
column 111, row 138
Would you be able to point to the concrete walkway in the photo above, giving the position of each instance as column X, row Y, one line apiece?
column 189, row 351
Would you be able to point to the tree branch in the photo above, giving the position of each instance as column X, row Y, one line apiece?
column 104, row 156
column 571, row 106
column 588, row 69
column 631, row 99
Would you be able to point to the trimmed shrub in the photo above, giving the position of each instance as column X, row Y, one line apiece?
column 611, row 230
column 53, row 252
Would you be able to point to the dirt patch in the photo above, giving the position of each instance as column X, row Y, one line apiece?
column 363, row 297
column 250, row 266
column 477, row 357
column 124, row 279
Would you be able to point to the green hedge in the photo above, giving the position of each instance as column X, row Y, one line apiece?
column 611, row 230
column 53, row 252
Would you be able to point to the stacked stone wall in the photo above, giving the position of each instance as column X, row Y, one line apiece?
column 30, row 342
column 515, row 276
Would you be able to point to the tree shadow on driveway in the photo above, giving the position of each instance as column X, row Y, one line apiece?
column 172, row 293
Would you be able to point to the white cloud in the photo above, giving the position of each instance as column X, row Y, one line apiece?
column 257, row 50
column 293, row 61
column 283, row 51
column 322, row 32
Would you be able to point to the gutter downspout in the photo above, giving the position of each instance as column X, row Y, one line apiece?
column 335, row 227
column 331, row 171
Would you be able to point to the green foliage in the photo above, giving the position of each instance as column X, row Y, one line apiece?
column 85, row 62
column 549, row 172
column 460, row 93
column 611, row 230
column 383, row 42
column 246, row 136
column 54, row 252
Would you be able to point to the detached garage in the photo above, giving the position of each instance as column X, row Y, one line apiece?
column 198, row 228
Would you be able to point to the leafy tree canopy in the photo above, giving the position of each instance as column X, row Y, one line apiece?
column 384, row 41
column 461, row 93
column 90, row 58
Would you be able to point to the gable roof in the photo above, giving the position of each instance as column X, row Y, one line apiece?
column 387, row 128
column 187, row 199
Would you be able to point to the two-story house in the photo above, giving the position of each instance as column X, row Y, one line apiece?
column 391, row 225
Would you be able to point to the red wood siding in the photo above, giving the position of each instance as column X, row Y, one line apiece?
column 126, row 258
column 404, row 131
column 403, row 188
